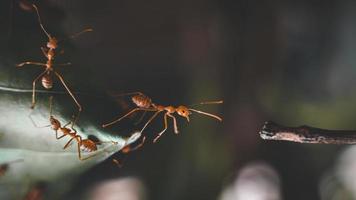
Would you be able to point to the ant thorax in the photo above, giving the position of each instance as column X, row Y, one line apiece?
column 50, row 54
column 170, row 109
column 52, row 43
column 142, row 101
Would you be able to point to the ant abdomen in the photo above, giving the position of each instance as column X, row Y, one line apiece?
column 142, row 101
column 47, row 81
column 88, row 145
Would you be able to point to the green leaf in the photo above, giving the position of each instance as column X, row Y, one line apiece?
column 40, row 156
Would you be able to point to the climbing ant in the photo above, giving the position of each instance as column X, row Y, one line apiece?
column 144, row 103
column 87, row 145
column 49, row 53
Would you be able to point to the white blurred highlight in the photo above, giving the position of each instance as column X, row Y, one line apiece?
column 119, row 189
column 346, row 170
column 256, row 181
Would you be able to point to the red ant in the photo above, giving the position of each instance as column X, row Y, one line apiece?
column 5, row 167
column 49, row 53
column 144, row 103
column 85, row 144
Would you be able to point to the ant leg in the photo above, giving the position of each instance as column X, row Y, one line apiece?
column 71, row 122
column 34, row 123
column 129, row 149
column 77, row 137
column 79, row 141
column 65, row 146
column 150, row 120
column 164, row 130
column 68, row 90
column 208, row 114
column 174, row 123
column 30, row 63
column 59, row 136
column 141, row 118
column 79, row 154
column 129, row 113
column 139, row 145
column 65, row 125
column 34, row 88
column 90, row 156
column 63, row 64
column 75, row 119
column 80, row 157
column 50, row 106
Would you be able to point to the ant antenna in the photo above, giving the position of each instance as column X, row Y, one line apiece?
column 40, row 21
column 81, row 32
column 77, row 34
column 125, row 94
column 204, row 113
column 207, row 103
column 208, row 114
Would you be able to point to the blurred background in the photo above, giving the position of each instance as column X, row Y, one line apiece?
column 292, row 62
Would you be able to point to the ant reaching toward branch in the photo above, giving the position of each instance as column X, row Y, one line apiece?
column 47, row 74
column 144, row 103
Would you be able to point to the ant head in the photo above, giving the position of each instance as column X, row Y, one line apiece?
column 52, row 43
column 184, row 112
column 55, row 124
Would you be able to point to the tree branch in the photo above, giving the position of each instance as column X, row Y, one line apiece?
column 307, row 134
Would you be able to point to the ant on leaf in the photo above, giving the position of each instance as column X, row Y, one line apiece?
column 144, row 103
column 47, row 74
column 86, row 145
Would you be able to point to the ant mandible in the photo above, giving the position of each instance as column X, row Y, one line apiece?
column 144, row 103
column 87, row 145
column 49, row 53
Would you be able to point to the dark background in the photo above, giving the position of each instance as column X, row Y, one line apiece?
column 292, row 62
